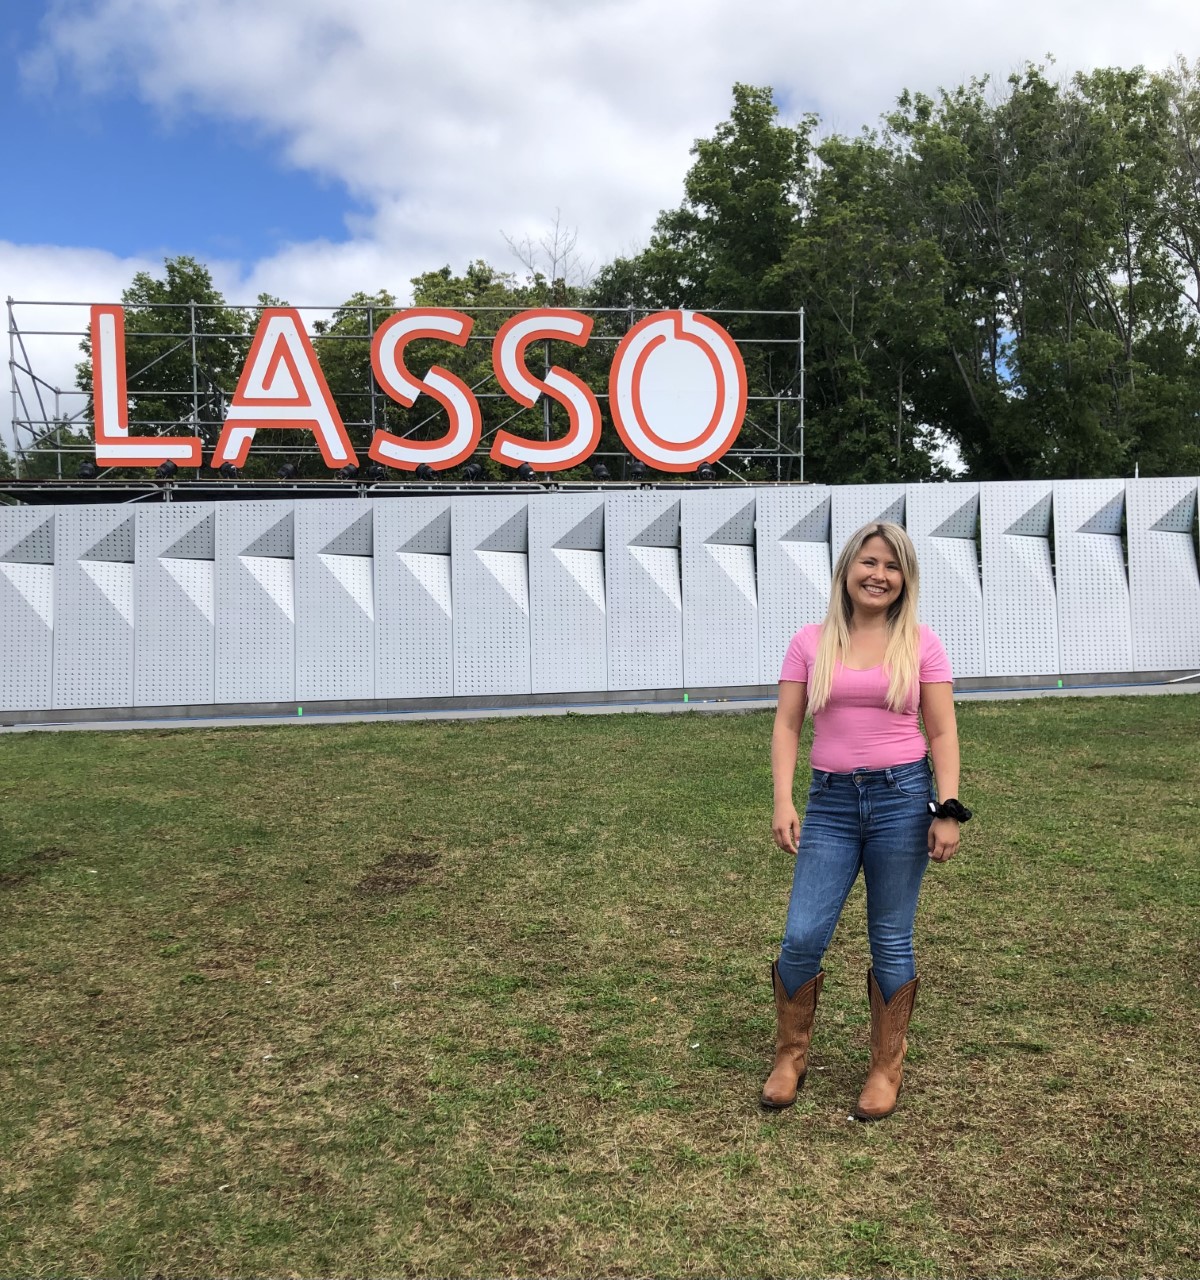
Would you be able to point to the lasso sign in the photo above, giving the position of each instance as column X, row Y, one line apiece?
column 677, row 393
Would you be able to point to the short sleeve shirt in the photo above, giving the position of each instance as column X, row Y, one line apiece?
column 856, row 729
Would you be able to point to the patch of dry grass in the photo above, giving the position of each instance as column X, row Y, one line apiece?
column 491, row 998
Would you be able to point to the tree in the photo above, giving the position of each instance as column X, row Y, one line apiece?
column 184, row 350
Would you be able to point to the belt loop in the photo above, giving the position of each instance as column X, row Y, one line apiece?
column 890, row 776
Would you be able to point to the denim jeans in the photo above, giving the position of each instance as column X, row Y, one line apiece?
column 875, row 819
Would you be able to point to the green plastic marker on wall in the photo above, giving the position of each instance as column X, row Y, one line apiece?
column 299, row 711
column 685, row 697
column 1060, row 684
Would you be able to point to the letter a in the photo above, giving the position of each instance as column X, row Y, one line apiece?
column 282, row 386
column 115, row 447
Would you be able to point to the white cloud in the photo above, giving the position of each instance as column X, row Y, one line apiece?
column 456, row 122
column 49, row 345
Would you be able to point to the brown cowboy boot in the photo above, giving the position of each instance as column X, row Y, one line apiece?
column 793, row 1032
column 889, row 1023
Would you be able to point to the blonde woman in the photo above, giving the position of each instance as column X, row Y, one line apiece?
column 865, row 675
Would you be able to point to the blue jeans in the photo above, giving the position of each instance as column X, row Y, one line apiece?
column 875, row 819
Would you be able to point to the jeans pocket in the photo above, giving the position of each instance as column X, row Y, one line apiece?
column 916, row 783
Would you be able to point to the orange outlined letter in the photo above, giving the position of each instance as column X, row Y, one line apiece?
column 114, row 445
column 677, row 390
column 282, row 386
column 583, row 413
column 387, row 359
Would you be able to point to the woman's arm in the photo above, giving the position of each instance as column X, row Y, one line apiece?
column 941, row 728
column 785, row 745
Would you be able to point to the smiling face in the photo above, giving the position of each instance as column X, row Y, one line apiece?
column 874, row 580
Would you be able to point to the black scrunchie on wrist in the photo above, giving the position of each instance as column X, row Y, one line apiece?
column 950, row 809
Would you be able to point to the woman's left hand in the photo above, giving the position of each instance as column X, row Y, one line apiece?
column 943, row 839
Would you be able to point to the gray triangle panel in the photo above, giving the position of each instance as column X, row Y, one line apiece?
column 1107, row 519
column 1179, row 519
column 737, row 531
column 277, row 542
column 512, row 535
column 814, row 527
column 36, row 547
column 116, row 546
column 662, row 531
column 1035, row 523
column 357, row 539
column 960, row 523
column 199, row 543
column 587, row 535
column 433, row 539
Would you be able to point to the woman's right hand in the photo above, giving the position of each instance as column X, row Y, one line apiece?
column 785, row 827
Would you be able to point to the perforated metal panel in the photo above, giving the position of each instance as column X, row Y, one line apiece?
column 1164, row 586
column 793, row 567
column 490, row 571
column 94, row 619
column 175, row 605
column 645, row 592
column 942, row 520
column 568, row 611
column 414, row 622
column 1093, row 592
column 1020, row 607
column 335, row 599
column 26, row 608
column 255, row 579
column 856, row 504
column 720, row 588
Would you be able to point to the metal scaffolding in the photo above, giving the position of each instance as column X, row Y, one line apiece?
column 183, row 367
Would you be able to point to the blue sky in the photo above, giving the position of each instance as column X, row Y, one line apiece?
column 310, row 149
column 176, row 171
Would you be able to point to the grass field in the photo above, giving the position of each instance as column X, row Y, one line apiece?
column 491, row 998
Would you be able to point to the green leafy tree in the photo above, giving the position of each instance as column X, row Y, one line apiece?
column 184, row 350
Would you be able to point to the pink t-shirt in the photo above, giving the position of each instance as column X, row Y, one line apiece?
column 855, row 729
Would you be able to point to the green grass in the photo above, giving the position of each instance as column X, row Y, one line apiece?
column 491, row 998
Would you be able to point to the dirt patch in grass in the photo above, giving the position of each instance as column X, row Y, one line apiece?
column 28, row 867
column 398, row 872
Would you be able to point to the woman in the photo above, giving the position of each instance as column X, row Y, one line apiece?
column 864, row 673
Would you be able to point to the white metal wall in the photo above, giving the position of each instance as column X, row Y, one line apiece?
column 1164, row 589
column 1020, row 609
column 414, row 619
column 1093, row 590
column 26, row 608
column 175, row 605
column 793, row 568
column 567, row 598
column 645, row 590
column 256, row 602
column 188, row 604
column 335, row 600
column 489, row 568
column 720, row 589
column 942, row 520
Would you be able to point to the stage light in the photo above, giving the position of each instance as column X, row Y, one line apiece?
column 377, row 471
column 600, row 472
column 637, row 469
column 526, row 472
column 472, row 472
column 165, row 470
column 88, row 470
column 289, row 471
column 705, row 472
column 426, row 472
column 229, row 471
column 348, row 472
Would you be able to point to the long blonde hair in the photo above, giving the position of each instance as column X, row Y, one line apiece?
column 901, row 659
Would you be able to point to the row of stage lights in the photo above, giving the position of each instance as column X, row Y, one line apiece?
column 472, row 473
